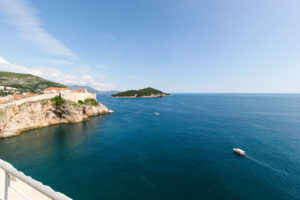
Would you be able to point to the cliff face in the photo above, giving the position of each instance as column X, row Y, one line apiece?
column 17, row 118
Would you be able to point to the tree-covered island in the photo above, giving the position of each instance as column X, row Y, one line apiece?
column 143, row 93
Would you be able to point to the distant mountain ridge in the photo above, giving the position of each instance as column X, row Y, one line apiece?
column 108, row 92
column 26, row 82
column 143, row 93
column 79, row 87
column 90, row 89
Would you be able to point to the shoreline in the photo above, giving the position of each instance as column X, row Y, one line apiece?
column 38, row 127
column 16, row 119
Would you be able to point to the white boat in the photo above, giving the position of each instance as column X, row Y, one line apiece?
column 156, row 113
column 239, row 151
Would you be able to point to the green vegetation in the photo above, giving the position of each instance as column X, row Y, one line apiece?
column 126, row 93
column 25, row 82
column 139, row 93
column 88, row 101
column 58, row 101
column 2, row 113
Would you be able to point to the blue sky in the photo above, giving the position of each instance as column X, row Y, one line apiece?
column 172, row 45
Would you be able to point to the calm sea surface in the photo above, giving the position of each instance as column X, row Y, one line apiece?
column 184, row 153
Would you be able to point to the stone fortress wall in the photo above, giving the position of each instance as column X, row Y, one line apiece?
column 75, row 97
column 72, row 96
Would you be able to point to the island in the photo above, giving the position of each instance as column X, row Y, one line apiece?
column 143, row 93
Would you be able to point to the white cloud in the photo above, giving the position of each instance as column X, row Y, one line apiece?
column 3, row 61
column 21, row 15
column 23, row 19
column 55, row 75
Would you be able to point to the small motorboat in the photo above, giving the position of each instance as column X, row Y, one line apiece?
column 239, row 152
column 156, row 113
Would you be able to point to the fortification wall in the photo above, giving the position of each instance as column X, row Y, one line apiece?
column 29, row 99
column 75, row 97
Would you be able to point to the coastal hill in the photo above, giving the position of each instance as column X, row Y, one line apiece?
column 15, row 82
column 143, row 93
column 79, row 87
column 90, row 89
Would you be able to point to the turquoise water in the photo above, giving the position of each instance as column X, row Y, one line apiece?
column 184, row 153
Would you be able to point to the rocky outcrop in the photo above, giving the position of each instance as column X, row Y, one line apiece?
column 155, row 96
column 15, row 119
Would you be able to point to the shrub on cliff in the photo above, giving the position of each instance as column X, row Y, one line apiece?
column 80, row 102
column 88, row 101
column 58, row 101
column 92, row 102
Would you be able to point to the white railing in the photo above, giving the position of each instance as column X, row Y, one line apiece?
column 12, row 173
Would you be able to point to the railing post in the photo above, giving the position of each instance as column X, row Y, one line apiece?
column 10, row 171
column 7, row 184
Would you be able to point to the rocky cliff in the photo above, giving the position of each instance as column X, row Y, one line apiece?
column 15, row 119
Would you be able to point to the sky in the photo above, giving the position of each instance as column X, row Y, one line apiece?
column 201, row 46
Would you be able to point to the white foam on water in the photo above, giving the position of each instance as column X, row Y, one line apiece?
column 267, row 165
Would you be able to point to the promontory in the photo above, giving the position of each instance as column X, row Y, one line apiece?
column 29, row 105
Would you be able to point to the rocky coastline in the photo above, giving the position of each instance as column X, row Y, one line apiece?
column 15, row 119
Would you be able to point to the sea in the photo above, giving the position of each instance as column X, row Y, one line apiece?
column 184, row 153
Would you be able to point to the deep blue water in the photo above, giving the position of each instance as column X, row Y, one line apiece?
column 184, row 153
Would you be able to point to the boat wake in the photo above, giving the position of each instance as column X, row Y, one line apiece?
column 267, row 165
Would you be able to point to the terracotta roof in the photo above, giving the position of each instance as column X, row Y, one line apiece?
column 30, row 95
column 56, row 88
column 75, row 91
column 21, row 96
column 3, row 102
column 17, row 97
